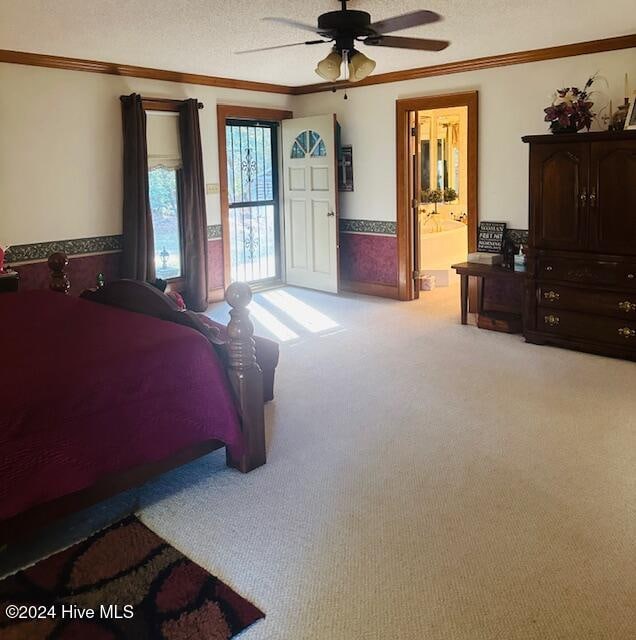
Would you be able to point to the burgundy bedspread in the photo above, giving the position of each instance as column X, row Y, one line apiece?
column 89, row 390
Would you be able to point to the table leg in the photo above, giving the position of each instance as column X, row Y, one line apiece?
column 480, row 295
column 464, row 297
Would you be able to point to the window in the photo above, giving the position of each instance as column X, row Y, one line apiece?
column 164, row 205
column 164, row 167
column 308, row 142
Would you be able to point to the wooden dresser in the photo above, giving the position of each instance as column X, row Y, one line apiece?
column 581, row 285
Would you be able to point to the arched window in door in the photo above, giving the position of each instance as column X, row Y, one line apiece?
column 308, row 142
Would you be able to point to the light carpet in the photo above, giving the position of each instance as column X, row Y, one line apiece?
column 425, row 480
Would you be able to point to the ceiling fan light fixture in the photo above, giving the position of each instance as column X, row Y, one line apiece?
column 360, row 66
column 329, row 68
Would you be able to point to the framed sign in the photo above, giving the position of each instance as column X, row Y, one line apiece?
column 345, row 168
column 630, row 120
column 491, row 237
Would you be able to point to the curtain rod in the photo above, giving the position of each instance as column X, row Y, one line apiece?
column 166, row 101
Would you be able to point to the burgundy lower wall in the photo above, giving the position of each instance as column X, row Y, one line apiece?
column 82, row 272
column 215, row 264
column 366, row 257
column 363, row 257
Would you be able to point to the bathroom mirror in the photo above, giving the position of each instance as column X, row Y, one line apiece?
column 440, row 133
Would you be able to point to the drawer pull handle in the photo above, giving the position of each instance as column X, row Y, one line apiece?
column 549, row 268
column 552, row 296
column 630, row 276
column 583, row 197
column 553, row 321
column 627, row 306
column 626, row 332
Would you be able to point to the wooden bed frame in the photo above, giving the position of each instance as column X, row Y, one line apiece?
column 238, row 355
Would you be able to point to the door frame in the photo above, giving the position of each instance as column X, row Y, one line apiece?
column 407, row 260
column 236, row 112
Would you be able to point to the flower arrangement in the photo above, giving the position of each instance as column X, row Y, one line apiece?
column 450, row 195
column 571, row 109
column 432, row 196
column 435, row 196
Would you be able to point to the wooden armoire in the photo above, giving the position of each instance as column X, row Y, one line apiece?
column 581, row 285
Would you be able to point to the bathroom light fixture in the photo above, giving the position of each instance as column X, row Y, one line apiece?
column 358, row 65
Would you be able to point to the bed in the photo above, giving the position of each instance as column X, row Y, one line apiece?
column 105, row 391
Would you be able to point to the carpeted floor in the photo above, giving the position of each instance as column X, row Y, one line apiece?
column 426, row 481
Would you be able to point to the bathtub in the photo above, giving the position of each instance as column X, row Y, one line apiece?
column 440, row 249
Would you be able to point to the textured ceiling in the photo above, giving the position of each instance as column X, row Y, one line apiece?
column 199, row 36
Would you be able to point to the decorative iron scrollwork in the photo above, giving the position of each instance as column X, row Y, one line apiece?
column 248, row 166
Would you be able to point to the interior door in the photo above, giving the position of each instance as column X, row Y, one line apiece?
column 559, row 195
column 311, row 205
column 416, row 190
column 612, row 197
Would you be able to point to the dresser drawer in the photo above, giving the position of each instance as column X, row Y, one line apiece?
column 569, row 324
column 605, row 303
column 616, row 274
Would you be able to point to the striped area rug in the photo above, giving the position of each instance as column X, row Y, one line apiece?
column 123, row 582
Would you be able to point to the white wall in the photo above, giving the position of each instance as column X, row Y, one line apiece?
column 511, row 103
column 61, row 148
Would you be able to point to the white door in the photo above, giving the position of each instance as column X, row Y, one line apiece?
column 310, row 202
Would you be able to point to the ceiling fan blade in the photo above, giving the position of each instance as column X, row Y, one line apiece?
column 407, row 43
column 281, row 46
column 405, row 21
column 293, row 23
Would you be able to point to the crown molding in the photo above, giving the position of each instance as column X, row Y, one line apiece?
column 488, row 62
column 461, row 66
column 112, row 68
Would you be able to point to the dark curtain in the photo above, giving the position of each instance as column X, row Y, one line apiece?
column 138, row 257
column 193, row 216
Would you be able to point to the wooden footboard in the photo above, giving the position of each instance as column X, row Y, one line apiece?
column 237, row 351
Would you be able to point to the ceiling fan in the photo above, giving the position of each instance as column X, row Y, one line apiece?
column 347, row 27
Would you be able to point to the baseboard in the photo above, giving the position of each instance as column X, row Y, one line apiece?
column 216, row 295
column 370, row 288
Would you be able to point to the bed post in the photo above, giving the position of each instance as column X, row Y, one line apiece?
column 59, row 280
column 246, row 378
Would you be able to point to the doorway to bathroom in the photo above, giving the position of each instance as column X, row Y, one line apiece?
column 437, row 189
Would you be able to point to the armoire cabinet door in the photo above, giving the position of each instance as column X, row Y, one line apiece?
column 612, row 197
column 558, row 196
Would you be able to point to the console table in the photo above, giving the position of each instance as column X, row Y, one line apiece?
column 504, row 318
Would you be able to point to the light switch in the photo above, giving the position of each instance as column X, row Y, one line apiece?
column 212, row 188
